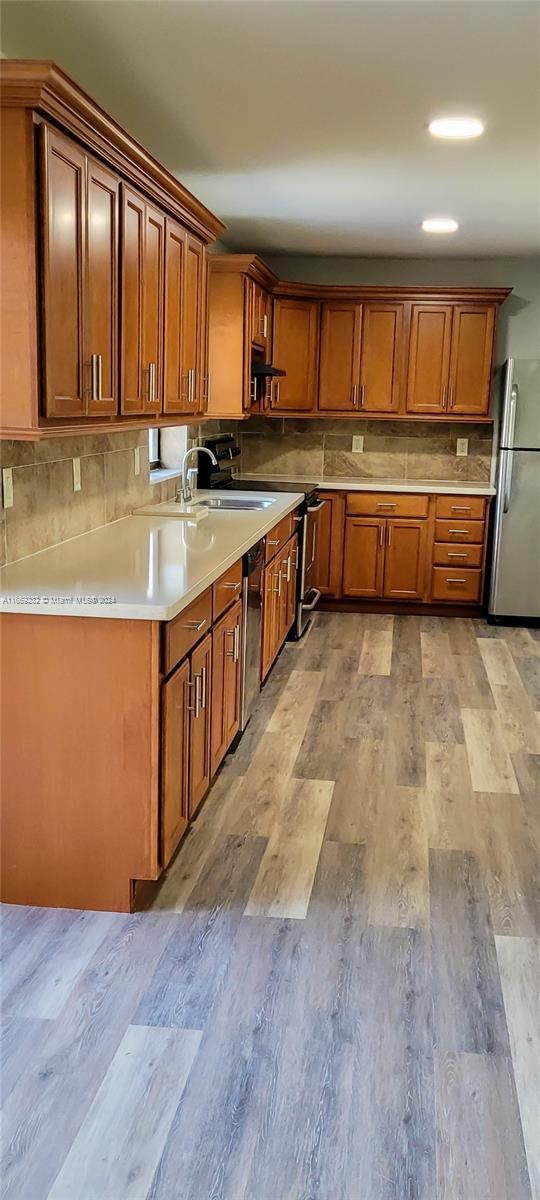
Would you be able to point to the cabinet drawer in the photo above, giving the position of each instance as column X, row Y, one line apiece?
column 472, row 508
column 180, row 634
column 386, row 504
column 448, row 554
column 459, row 531
column 456, row 584
column 277, row 537
column 227, row 589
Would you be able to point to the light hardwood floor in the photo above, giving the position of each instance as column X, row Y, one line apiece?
column 335, row 996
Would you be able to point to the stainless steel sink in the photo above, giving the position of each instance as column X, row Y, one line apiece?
column 235, row 502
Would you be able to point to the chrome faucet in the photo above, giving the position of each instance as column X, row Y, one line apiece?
column 189, row 479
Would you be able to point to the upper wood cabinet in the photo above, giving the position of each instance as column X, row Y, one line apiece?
column 295, row 350
column 80, row 282
column 450, row 355
column 239, row 330
column 339, row 370
column 261, row 319
column 473, row 331
column 92, row 228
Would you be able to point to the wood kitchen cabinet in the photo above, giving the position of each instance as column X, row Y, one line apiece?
column 261, row 320
column 143, row 274
column 405, row 560
column 174, row 760
column 339, row 369
column 226, row 682
column 175, row 383
column 279, row 599
column 363, row 559
column 295, row 351
column 80, row 281
column 328, row 566
column 450, row 355
column 361, row 357
column 239, row 330
column 200, row 711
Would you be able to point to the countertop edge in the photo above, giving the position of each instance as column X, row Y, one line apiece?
column 436, row 487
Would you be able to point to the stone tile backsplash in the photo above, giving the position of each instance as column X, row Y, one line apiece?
column 392, row 449
column 46, row 510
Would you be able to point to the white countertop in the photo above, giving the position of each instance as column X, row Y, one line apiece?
column 442, row 487
column 141, row 567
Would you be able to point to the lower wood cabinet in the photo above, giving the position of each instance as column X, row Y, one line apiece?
column 200, row 711
column 279, row 602
column 226, row 682
column 174, row 760
column 327, row 569
column 363, row 563
column 405, row 560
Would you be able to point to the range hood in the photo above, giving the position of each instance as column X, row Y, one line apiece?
column 265, row 370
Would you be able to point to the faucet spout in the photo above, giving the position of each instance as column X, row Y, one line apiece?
column 189, row 486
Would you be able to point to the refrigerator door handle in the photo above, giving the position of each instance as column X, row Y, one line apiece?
column 511, row 396
column 508, row 480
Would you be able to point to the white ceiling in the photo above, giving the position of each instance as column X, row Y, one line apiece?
column 303, row 124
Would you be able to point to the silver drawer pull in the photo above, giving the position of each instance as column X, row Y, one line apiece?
column 459, row 531
column 203, row 686
column 387, row 504
column 236, row 643
column 460, row 507
column 196, row 625
column 195, row 708
column 231, row 633
column 456, row 580
column 233, row 587
column 457, row 554
column 273, row 542
column 152, row 382
column 277, row 590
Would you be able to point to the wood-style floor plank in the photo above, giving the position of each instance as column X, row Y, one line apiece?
column 467, row 1000
column 48, row 987
column 376, row 656
column 518, row 717
column 45, row 1109
column 285, row 877
column 509, row 864
column 355, row 800
column 519, row 966
column 260, row 791
column 450, row 808
column 480, row 1150
column 138, row 1100
column 438, row 661
column 489, row 760
column 397, row 871
column 194, row 962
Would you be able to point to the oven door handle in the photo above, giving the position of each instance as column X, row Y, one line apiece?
column 309, row 607
column 316, row 507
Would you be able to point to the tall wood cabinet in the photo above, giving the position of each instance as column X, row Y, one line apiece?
column 103, row 259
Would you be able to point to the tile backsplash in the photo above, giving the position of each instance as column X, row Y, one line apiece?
column 46, row 510
column 392, row 449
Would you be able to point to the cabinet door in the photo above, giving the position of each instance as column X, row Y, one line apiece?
column 328, row 566
column 291, row 581
column 257, row 337
column 339, row 369
column 405, row 560
column 226, row 680
column 67, row 382
column 133, row 229
column 194, row 323
column 174, row 760
column 470, row 361
column 174, row 393
column 101, row 289
column 363, row 562
column 153, row 298
column 200, row 707
column 381, row 358
column 295, row 350
column 265, row 314
column 429, row 358
column 270, row 615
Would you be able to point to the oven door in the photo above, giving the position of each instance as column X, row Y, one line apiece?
column 309, row 595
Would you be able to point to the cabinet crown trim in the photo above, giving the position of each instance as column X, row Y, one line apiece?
column 331, row 292
column 45, row 88
column 245, row 264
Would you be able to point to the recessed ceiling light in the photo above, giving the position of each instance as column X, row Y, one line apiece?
column 456, row 127
column 439, row 225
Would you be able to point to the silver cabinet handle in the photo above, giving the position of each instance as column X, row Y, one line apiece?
column 196, row 625
column 277, row 591
column 278, row 385
column 461, row 507
column 206, row 392
column 265, row 325
column 195, row 708
column 451, row 396
column 273, row 541
column 94, row 376
column 381, row 535
column 99, row 376
column 457, row 554
column 191, row 385
column 253, row 391
column 230, row 633
column 286, row 564
column 456, row 580
column 233, row 587
column 362, row 395
column 464, row 531
column 203, row 687
column 316, row 507
column 151, row 382
column 355, row 394
column 298, row 518
column 387, row 504
column 236, row 644
column 389, row 534
column 443, row 396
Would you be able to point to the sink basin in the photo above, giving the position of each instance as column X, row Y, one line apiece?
column 235, row 502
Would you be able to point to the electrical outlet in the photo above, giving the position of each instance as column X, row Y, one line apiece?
column 76, row 474
column 7, row 487
column 358, row 443
column 137, row 455
column 462, row 447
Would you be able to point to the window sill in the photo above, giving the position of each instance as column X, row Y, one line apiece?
column 160, row 474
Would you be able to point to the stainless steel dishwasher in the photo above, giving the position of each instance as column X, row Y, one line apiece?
column 251, row 641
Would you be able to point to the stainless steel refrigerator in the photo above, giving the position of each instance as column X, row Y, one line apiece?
column 515, row 573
